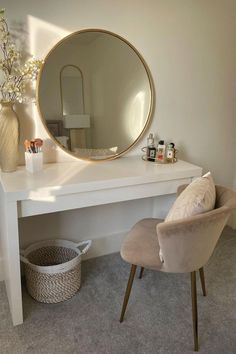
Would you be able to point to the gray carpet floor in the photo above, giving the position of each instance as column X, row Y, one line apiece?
column 158, row 317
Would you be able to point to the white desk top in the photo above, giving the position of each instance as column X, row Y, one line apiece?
column 73, row 177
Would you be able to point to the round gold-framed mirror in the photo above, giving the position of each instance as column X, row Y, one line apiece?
column 95, row 94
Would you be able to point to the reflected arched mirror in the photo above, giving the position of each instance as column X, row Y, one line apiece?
column 95, row 94
column 72, row 92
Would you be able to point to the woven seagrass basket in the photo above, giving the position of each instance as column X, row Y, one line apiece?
column 53, row 269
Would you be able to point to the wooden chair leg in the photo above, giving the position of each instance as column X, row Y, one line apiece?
column 141, row 272
column 202, row 277
column 128, row 290
column 194, row 309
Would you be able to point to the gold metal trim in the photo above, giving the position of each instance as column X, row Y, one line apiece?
column 151, row 85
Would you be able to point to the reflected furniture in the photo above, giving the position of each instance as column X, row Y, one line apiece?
column 186, row 246
column 75, row 185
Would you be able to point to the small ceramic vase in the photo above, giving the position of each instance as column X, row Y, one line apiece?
column 9, row 137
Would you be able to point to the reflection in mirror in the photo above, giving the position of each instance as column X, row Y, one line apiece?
column 72, row 95
column 99, row 87
column 72, row 98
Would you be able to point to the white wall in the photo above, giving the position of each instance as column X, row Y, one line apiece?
column 189, row 46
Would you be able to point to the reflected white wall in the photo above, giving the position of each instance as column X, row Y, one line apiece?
column 117, row 78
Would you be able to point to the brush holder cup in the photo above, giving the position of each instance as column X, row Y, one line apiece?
column 34, row 161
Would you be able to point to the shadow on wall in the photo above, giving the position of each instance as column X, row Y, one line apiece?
column 182, row 152
column 20, row 37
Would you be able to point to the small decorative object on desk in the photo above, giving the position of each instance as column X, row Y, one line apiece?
column 33, row 155
column 15, row 75
column 9, row 137
column 160, row 154
column 161, row 148
column 151, row 150
column 170, row 152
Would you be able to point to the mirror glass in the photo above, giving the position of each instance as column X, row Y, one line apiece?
column 95, row 94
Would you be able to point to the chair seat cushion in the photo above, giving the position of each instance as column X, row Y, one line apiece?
column 141, row 246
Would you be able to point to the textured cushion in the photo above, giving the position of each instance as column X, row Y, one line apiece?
column 141, row 246
column 198, row 197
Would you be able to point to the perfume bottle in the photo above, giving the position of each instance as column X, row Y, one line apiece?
column 151, row 150
column 170, row 152
column 161, row 151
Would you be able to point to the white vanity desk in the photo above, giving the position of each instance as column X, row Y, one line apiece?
column 72, row 185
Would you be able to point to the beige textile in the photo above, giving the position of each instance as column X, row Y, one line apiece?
column 197, row 198
column 139, row 249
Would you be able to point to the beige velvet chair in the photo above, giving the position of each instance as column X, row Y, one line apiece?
column 186, row 246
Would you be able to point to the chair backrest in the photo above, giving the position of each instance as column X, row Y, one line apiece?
column 187, row 244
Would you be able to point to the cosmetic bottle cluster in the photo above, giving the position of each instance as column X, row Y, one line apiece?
column 162, row 153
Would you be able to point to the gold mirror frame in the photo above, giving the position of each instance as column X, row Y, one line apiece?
column 151, row 86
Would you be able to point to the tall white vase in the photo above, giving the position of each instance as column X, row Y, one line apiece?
column 9, row 137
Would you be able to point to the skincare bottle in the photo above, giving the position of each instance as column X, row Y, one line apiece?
column 161, row 151
column 151, row 150
column 170, row 152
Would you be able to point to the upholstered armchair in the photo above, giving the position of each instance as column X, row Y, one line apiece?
column 186, row 246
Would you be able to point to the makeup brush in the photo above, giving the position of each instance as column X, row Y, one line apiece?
column 38, row 144
column 27, row 146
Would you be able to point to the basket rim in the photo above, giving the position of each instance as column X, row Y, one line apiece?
column 58, row 268
column 47, row 243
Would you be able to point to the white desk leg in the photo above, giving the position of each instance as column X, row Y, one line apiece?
column 11, row 258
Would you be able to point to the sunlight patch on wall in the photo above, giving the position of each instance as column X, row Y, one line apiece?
column 43, row 36
column 135, row 110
